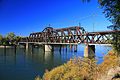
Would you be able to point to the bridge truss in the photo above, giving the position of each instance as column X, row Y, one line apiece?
column 74, row 34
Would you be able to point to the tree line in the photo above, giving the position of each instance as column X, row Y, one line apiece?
column 10, row 39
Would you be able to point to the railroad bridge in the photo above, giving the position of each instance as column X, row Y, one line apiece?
column 66, row 36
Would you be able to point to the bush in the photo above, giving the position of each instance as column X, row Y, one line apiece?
column 111, row 60
column 75, row 69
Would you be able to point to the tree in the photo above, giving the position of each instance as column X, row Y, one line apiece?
column 5, row 41
column 17, row 39
column 112, row 12
column 1, row 39
column 10, row 38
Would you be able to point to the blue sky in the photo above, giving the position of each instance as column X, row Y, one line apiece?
column 25, row 16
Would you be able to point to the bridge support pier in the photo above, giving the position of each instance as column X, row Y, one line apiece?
column 49, row 48
column 89, row 51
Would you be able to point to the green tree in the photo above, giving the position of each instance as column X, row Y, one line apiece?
column 10, row 38
column 17, row 39
column 112, row 12
column 1, row 39
column 5, row 41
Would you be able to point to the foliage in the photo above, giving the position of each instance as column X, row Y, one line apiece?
column 110, row 61
column 10, row 36
column 9, row 39
column 17, row 39
column 1, row 38
column 38, row 78
column 5, row 41
column 112, row 12
column 75, row 69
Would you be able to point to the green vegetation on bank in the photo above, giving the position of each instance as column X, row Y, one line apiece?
column 10, row 39
column 84, row 69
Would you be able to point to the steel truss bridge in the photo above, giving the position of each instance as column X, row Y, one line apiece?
column 75, row 34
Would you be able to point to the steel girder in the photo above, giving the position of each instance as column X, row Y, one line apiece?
column 73, row 34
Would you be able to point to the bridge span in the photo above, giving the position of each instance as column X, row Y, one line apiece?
column 69, row 36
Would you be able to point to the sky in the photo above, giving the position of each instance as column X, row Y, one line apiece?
column 25, row 16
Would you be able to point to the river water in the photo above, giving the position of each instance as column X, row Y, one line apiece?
column 22, row 65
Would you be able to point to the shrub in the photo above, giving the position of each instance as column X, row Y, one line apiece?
column 75, row 69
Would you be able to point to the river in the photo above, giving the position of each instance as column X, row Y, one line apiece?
column 22, row 65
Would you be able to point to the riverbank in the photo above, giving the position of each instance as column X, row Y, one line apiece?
column 86, row 69
column 11, row 46
column 7, row 46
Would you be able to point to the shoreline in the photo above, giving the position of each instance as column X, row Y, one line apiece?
column 7, row 46
column 11, row 46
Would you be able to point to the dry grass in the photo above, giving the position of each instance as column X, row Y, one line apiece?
column 82, row 69
column 111, row 60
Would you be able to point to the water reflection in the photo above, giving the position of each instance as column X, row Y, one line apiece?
column 20, row 64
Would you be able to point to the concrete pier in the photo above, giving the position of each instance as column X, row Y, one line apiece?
column 89, row 51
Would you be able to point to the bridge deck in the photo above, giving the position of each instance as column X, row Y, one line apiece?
column 102, row 32
column 43, row 43
column 40, row 43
